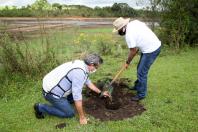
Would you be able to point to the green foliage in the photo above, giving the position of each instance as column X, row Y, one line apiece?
column 123, row 9
column 43, row 8
column 23, row 12
column 103, row 12
column 8, row 56
column 18, row 57
column 57, row 6
column 83, row 42
column 101, row 43
column 104, row 44
column 179, row 22
column 41, row 5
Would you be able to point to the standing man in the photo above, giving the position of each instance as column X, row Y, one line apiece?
column 63, row 86
column 139, row 36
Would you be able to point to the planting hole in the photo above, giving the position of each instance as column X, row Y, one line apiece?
column 121, row 106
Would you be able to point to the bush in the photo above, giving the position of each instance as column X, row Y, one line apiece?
column 179, row 21
column 18, row 57
column 104, row 44
column 103, row 47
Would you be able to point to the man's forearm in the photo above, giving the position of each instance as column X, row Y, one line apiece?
column 132, row 53
column 94, row 88
column 79, row 108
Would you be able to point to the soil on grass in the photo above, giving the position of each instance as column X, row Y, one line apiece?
column 119, row 108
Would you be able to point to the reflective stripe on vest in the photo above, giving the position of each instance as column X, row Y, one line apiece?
column 55, row 88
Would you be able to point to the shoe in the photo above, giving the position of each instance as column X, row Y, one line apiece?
column 38, row 114
column 136, row 98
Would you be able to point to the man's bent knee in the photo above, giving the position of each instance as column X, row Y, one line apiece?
column 69, row 114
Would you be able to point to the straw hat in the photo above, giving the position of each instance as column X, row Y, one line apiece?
column 119, row 23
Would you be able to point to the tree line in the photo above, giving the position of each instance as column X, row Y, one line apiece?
column 41, row 8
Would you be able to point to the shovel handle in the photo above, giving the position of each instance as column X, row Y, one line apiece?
column 117, row 75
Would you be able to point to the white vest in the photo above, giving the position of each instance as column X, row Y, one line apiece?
column 54, row 77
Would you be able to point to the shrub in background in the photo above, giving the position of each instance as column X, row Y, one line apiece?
column 179, row 22
column 104, row 44
column 16, row 56
column 82, row 43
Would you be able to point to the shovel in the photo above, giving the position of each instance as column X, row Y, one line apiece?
column 109, row 86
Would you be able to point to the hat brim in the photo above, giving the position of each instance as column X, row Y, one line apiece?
column 126, row 21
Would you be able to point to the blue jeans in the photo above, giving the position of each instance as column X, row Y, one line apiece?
column 59, row 107
column 146, row 60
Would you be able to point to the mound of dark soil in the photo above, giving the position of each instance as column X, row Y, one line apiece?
column 119, row 108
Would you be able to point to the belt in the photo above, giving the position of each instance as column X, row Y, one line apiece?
column 50, row 93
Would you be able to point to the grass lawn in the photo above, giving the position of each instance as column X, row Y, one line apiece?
column 172, row 101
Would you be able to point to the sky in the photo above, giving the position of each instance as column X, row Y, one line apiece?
column 89, row 3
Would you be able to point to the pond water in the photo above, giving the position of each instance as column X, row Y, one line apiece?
column 32, row 24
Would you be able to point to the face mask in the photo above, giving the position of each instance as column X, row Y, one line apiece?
column 122, row 32
column 93, row 71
